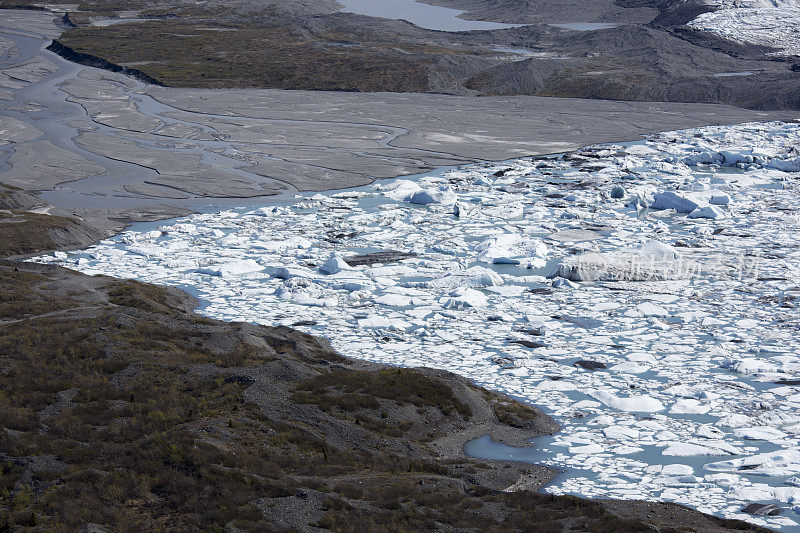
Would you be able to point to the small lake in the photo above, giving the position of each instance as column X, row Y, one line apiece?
column 422, row 15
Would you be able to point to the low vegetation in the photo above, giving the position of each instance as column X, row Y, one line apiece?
column 514, row 413
column 23, row 232
column 353, row 389
column 184, row 54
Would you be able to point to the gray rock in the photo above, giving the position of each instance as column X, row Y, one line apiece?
column 761, row 509
column 385, row 256
column 589, row 365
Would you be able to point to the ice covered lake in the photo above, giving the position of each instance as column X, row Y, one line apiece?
column 644, row 295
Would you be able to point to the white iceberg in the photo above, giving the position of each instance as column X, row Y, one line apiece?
column 682, row 202
column 233, row 268
column 513, row 249
column 631, row 404
column 709, row 211
column 334, row 264
column 442, row 195
column 464, row 297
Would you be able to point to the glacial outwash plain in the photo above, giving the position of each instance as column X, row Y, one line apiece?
column 462, row 265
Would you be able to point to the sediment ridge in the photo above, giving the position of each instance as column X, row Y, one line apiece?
column 89, row 60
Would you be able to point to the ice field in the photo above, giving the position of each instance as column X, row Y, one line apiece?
column 773, row 23
column 644, row 295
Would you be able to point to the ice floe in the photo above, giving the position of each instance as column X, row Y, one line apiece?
column 513, row 249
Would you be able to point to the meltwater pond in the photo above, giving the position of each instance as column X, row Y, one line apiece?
column 644, row 295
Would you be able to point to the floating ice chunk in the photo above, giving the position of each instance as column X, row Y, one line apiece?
column 393, row 300
column 265, row 211
column 710, row 432
column 785, row 165
column 461, row 210
column 629, row 367
column 473, row 277
column 380, row 322
column 401, row 189
column 189, row 229
column 750, row 493
column 621, row 432
column 682, row 202
column 304, row 298
column 632, row 404
column 689, row 406
column 677, row 470
column 659, row 251
column 130, row 238
column 555, row 385
column 588, row 449
column 292, row 272
column 291, row 243
column 334, row 264
column 749, row 366
column 563, row 283
column 390, row 271
column 463, row 297
column 734, row 156
column 651, row 309
column 719, row 198
column 709, row 211
column 779, row 463
column 735, row 421
column 442, row 195
column 683, row 391
column 349, row 281
column 702, row 157
column 759, row 433
column 147, row 250
column 514, row 249
column 233, row 268
column 576, row 236
column 513, row 291
column 724, row 480
column 777, row 418
column 688, row 449
column 505, row 211
column 602, row 420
